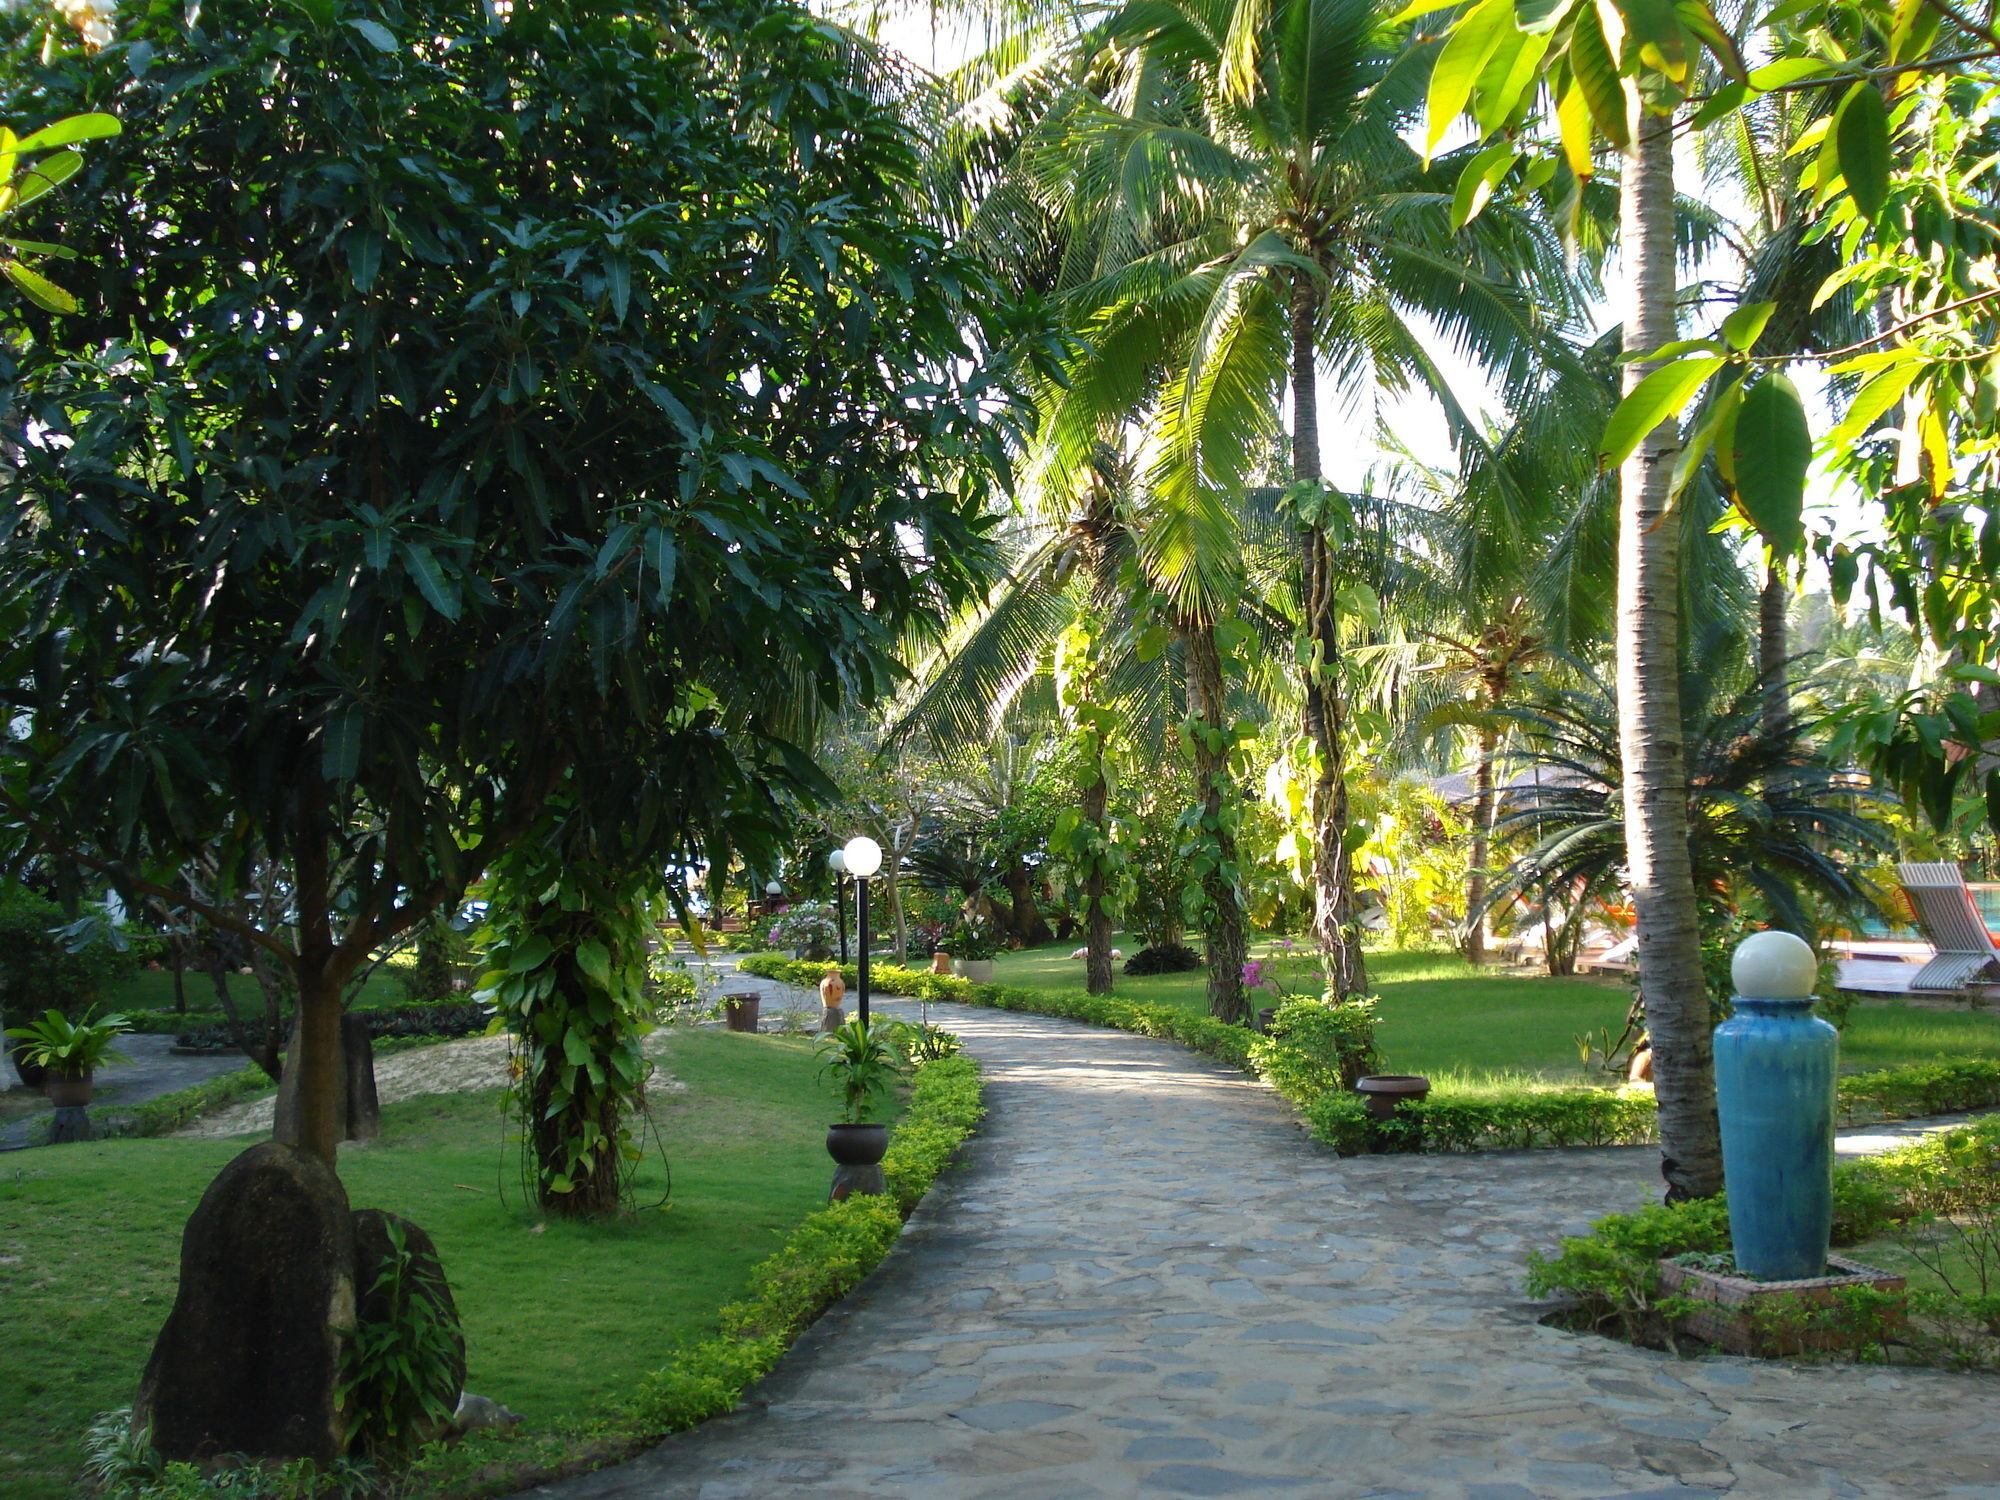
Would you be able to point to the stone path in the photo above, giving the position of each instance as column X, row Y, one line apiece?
column 1145, row 1281
column 150, row 1070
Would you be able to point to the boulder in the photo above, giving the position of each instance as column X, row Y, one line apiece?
column 376, row 1304
column 250, row 1357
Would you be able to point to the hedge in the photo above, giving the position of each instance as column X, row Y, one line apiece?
column 1510, row 1121
column 444, row 1018
column 820, row 1262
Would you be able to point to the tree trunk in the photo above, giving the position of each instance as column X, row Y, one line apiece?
column 1030, row 927
column 318, row 1063
column 1096, row 903
column 892, row 896
column 1321, row 712
column 596, row 1190
column 1484, row 805
column 1223, row 928
column 1649, row 728
column 1774, row 648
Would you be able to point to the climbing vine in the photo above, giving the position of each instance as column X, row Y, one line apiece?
column 566, row 947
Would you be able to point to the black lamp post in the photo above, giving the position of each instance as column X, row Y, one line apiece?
column 837, row 862
column 863, row 857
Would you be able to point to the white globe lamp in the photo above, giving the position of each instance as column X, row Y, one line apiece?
column 1774, row 966
column 863, row 856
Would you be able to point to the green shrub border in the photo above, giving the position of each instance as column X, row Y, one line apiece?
column 821, row 1261
column 1519, row 1120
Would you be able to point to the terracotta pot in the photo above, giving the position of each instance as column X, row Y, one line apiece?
column 1384, row 1091
column 941, row 962
column 740, row 1012
column 857, row 1145
column 831, row 988
column 69, row 1090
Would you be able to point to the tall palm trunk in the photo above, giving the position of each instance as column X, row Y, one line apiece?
column 1321, row 713
column 1485, row 805
column 1096, row 896
column 1222, row 902
column 1649, row 729
column 1774, row 648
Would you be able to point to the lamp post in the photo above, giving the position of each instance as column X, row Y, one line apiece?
column 837, row 862
column 863, row 857
column 1774, row 1087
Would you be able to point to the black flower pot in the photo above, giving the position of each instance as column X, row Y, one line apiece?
column 857, row 1145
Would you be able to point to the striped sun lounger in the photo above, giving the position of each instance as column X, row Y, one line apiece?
column 1966, row 952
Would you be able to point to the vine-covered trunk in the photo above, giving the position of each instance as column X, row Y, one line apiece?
column 1096, row 898
column 1030, row 927
column 1484, row 805
column 1774, row 648
column 1222, row 901
column 1321, row 713
column 1649, row 710
column 560, row 1121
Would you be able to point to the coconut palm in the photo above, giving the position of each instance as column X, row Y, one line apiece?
column 1764, row 811
column 1222, row 192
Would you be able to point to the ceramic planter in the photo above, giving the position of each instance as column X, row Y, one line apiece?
column 977, row 970
column 1774, row 1084
column 69, row 1090
column 941, row 963
column 740, row 1012
column 857, row 1145
column 1385, row 1091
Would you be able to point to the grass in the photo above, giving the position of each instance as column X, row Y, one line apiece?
column 153, row 989
column 1482, row 1029
column 557, row 1316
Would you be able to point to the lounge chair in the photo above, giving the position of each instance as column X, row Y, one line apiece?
column 1966, row 952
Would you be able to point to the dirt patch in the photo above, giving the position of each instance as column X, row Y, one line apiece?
column 479, row 1062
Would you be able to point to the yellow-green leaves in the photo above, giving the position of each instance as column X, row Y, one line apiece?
column 1476, row 183
column 1771, row 448
column 1471, row 46
column 1652, row 401
column 1859, row 142
column 1595, row 74
column 22, row 181
column 1742, row 328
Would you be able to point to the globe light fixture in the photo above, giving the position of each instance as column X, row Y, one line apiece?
column 837, row 862
column 772, row 888
column 1774, row 966
column 863, row 857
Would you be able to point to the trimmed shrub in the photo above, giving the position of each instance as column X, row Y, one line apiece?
column 1171, row 959
column 1938, row 1088
column 169, row 1112
column 454, row 1018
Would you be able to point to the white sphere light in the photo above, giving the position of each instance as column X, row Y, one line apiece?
column 1774, row 966
column 837, row 861
column 772, row 888
column 864, row 857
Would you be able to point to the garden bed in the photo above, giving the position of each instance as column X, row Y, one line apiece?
column 565, row 1323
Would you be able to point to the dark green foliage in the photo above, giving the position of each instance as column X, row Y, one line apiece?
column 483, row 405
column 1921, row 1089
column 45, row 963
column 1175, row 958
column 453, row 1018
column 861, row 1065
column 1516, row 1120
column 402, row 1361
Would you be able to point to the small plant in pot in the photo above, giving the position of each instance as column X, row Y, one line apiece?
column 972, row 947
column 70, row 1051
column 863, row 1065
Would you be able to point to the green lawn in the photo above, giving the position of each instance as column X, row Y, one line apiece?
column 557, row 1316
column 153, row 989
column 1442, row 1017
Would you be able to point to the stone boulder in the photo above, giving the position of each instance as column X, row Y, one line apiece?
column 360, row 1110
column 374, row 1251
column 250, row 1356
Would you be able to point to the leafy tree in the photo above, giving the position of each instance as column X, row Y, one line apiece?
column 469, row 407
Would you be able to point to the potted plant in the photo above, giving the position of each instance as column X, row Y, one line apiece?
column 972, row 949
column 862, row 1064
column 70, row 1051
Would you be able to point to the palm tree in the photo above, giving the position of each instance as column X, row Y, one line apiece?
column 1763, row 809
column 1235, row 212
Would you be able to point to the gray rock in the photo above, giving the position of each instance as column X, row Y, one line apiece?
column 250, row 1356
column 477, row 1412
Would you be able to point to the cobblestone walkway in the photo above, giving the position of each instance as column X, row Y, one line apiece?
column 1144, row 1281
column 149, row 1070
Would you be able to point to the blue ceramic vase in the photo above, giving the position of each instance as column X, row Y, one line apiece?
column 1774, row 1085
